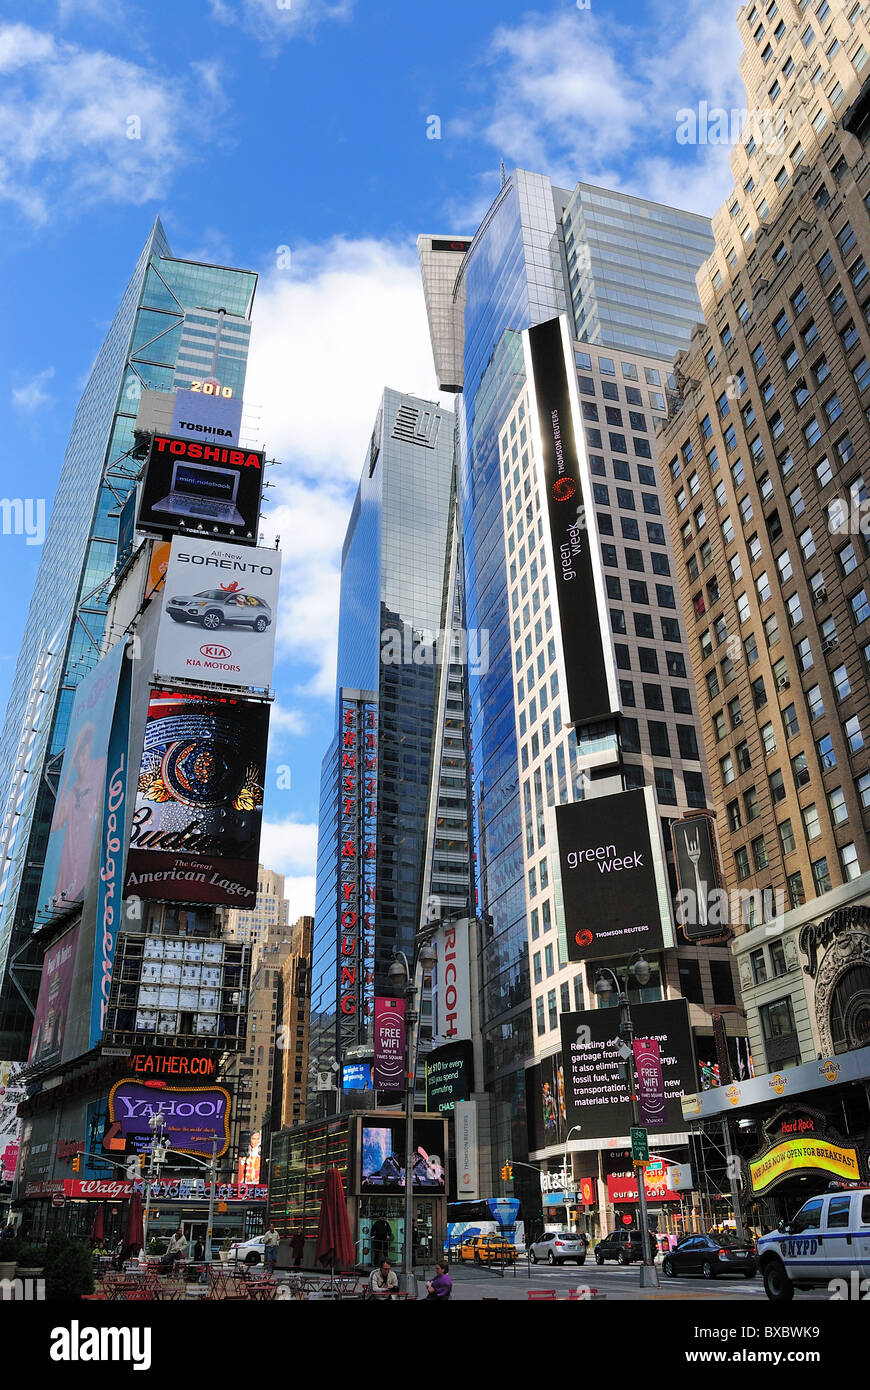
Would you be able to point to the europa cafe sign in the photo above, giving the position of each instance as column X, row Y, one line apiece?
column 358, row 751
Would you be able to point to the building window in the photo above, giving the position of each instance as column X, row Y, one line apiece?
column 780, row 1035
column 821, row 876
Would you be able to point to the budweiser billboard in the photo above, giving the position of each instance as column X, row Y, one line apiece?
column 195, row 835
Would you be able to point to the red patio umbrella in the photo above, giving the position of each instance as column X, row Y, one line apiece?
column 335, row 1245
column 134, row 1233
column 97, row 1227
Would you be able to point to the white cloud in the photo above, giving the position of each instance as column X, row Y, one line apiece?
column 289, row 847
column 286, row 721
column 81, row 126
column 346, row 320
column 32, row 395
column 300, row 892
column 582, row 97
column 277, row 20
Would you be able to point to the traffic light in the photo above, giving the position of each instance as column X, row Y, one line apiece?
column 77, row 1163
column 143, row 1159
column 507, row 1172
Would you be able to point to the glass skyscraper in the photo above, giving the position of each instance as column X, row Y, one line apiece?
column 177, row 321
column 398, row 762
column 621, row 270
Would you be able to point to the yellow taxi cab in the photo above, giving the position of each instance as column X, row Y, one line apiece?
column 489, row 1249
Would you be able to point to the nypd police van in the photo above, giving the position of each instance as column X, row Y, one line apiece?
column 828, row 1239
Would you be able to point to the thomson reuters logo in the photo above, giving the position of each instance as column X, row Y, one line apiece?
column 215, row 652
column 584, row 938
column 563, row 489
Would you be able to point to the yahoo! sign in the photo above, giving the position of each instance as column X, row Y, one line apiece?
column 194, row 1116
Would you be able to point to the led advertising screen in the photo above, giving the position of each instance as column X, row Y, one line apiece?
column 79, row 803
column 195, row 835
column 383, row 1159
column 612, row 873
column 597, row 1097
column 52, row 1005
column 545, row 1102
column 449, row 1076
column 193, row 1115
column 200, row 488
column 219, row 615
column 697, row 867
column 587, row 649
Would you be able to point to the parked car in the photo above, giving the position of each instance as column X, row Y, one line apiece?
column 212, row 608
column 709, row 1255
column 622, row 1246
column 557, row 1248
column 489, row 1249
column 249, row 1252
column 828, row 1239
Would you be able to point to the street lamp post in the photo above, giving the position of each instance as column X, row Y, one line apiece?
column 638, row 966
column 401, row 976
column 156, row 1156
column 212, row 1185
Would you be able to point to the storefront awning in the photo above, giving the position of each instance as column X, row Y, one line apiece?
column 820, row 1075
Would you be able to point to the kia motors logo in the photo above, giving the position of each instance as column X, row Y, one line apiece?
column 215, row 652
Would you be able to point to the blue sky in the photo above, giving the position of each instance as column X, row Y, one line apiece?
column 267, row 124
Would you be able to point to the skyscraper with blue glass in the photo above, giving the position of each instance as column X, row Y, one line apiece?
column 393, row 831
column 177, row 321
column 620, row 271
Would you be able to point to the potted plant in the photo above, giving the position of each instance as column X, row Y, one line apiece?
column 9, row 1249
column 68, row 1269
column 31, row 1261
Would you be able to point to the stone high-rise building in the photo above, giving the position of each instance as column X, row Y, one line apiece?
column 765, row 456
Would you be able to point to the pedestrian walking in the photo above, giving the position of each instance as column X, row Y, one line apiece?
column 297, row 1245
column 270, row 1248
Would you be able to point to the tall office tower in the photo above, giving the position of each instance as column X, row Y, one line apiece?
column 176, row 321
column 620, row 271
column 394, row 802
column 765, row 457
column 252, row 925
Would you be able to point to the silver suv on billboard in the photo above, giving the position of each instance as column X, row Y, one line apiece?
column 215, row 608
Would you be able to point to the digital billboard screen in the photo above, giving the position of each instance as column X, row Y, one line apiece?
column 194, row 1116
column 588, row 654
column 195, row 835
column 611, row 877
column 383, row 1158
column 219, row 614
column 449, row 1076
column 699, row 880
column 597, row 1096
column 193, row 486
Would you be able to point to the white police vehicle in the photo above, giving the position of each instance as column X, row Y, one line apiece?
column 828, row 1240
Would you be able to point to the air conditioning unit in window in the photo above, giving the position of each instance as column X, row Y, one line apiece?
column 830, row 644
column 783, row 682
column 738, row 719
column 820, row 594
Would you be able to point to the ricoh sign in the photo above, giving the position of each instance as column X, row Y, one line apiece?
column 452, row 993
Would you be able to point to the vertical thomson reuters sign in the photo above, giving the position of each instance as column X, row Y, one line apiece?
column 590, row 677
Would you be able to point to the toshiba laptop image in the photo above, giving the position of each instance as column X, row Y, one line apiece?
column 203, row 493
